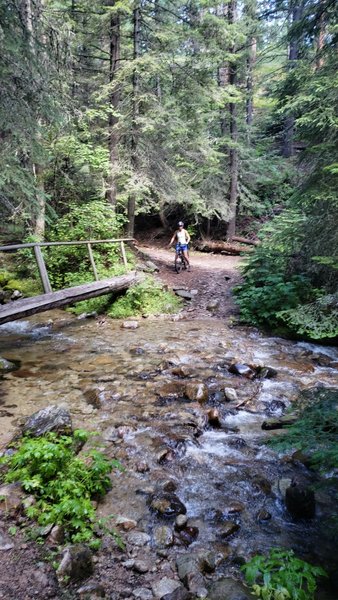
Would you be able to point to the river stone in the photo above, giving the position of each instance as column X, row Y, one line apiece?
column 300, row 501
column 181, row 593
column 182, row 371
column 6, row 366
column 243, row 370
column 213, row 304
column 234, row 507
column 228, row 589
column 125, row 523
column 11, row 498
column 143, row 593
column 76, row 562
column 91, row 590
column 263, row 515
column 6, row 543
column 230, row 394
column 141, row 566
column 130, row 325
column 151, row 267
column 228, row 528
column 163, row 537
column 138, row 538
column 197, row 392
column 213, row 417
column 52, row 418
column 57, row 535
column 181, row 521
column 187, row 535
column 167, row 505
column 186, row 565
column 196, row 585
column 184, row 294
column 164, row 586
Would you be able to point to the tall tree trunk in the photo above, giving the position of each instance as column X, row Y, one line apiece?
column 135, row 112
column 289, row 123
column 113, row 140
column 251, row 9
column 320, row 42
column 40, row 217
column 233, row 155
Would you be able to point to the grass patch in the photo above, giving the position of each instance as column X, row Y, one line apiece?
column 145, row 298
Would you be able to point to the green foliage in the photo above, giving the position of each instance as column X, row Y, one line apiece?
column 145, row 298
column 28, row 287
column 62, row 482
column 318, row 320
column 316, row 431
column 282, row 576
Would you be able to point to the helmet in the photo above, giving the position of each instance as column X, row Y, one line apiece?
column 180, row 224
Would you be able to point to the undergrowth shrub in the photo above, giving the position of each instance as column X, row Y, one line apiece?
column 62, row 482
column 282, row 576
column 145, row 298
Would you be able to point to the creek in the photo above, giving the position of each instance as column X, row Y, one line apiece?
column 132, row 387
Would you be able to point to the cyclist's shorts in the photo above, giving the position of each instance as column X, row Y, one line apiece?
column 181, row 247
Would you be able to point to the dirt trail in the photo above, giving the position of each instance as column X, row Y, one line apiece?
column 212, row 275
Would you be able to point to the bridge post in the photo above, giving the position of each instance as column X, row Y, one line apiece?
column 42, row 269
column 124, row 257
column 92, row 262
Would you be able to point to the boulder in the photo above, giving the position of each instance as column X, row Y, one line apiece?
column 228, row 589
column 230, row 394
column 6, row 366
column 167, row 505
column 138, row 538
column 143, row 593
column 228, row 528
column 130, row 325
column 300, row 501
column 242, row 370
column 11, row 498
column 184, row 294
column 52, row 418
column 92, row 591
column 6, row 543
column 164, row 587
column 197, row 392
column 187, row 564
column 76, row 563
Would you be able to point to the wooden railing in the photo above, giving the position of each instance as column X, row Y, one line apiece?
column 41, row 261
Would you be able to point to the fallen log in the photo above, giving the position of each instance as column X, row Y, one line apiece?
column 20, row 309
column 222, row 247
column 242, row 240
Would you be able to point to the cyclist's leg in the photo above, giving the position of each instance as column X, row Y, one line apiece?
column 186, row 257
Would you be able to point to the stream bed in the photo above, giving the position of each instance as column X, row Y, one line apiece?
column 158, row 396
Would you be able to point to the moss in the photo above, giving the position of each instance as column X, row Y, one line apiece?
column 28, row 287
column 5, row 276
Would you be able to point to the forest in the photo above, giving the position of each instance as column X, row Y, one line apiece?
column 128, row 115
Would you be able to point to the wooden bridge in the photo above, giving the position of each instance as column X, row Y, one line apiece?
column 24, row 307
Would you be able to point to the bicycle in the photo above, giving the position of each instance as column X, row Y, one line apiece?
column 180, row 262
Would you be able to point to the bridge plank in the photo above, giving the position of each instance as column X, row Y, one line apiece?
column 25, row 307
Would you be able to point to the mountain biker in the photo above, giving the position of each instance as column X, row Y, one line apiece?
column 182, row 238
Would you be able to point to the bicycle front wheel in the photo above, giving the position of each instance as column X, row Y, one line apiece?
column 178, row 264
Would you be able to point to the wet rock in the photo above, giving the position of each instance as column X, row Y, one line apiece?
column 125, row 523
column 181, row 593
column 163, row 537
column 16, row 295
column 52, row 418
column 92, row 396
column 57, row 535
column 6, row 543
column 228, row 589
column 130, row 325
column 181, row 521
column 142, row 467
column 138, row 538
column 169, row 486
column 234, row 507
column 184, row 294
column 182, row 371
column 282, row 486
column 197, row 392
column 263, row 515
column 6, row 366
column 167, row 505
column 300, row 501
column 266, row 372
column 228, row 528
column 242, row 370
column 188, row 535
column 196, row 585
column 76, row 562
column 270, row 424
column 262, row 483
column 213, row 304
column 164, row 587
column 91, row 591
column 230, row 394
column 214, row 418
column 87, row 315
column 141, row 566
column 143, row 593
column 187, row 565
column 165, row 455
column 11, row 498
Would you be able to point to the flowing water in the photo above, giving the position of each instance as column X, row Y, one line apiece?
column 130, row 386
